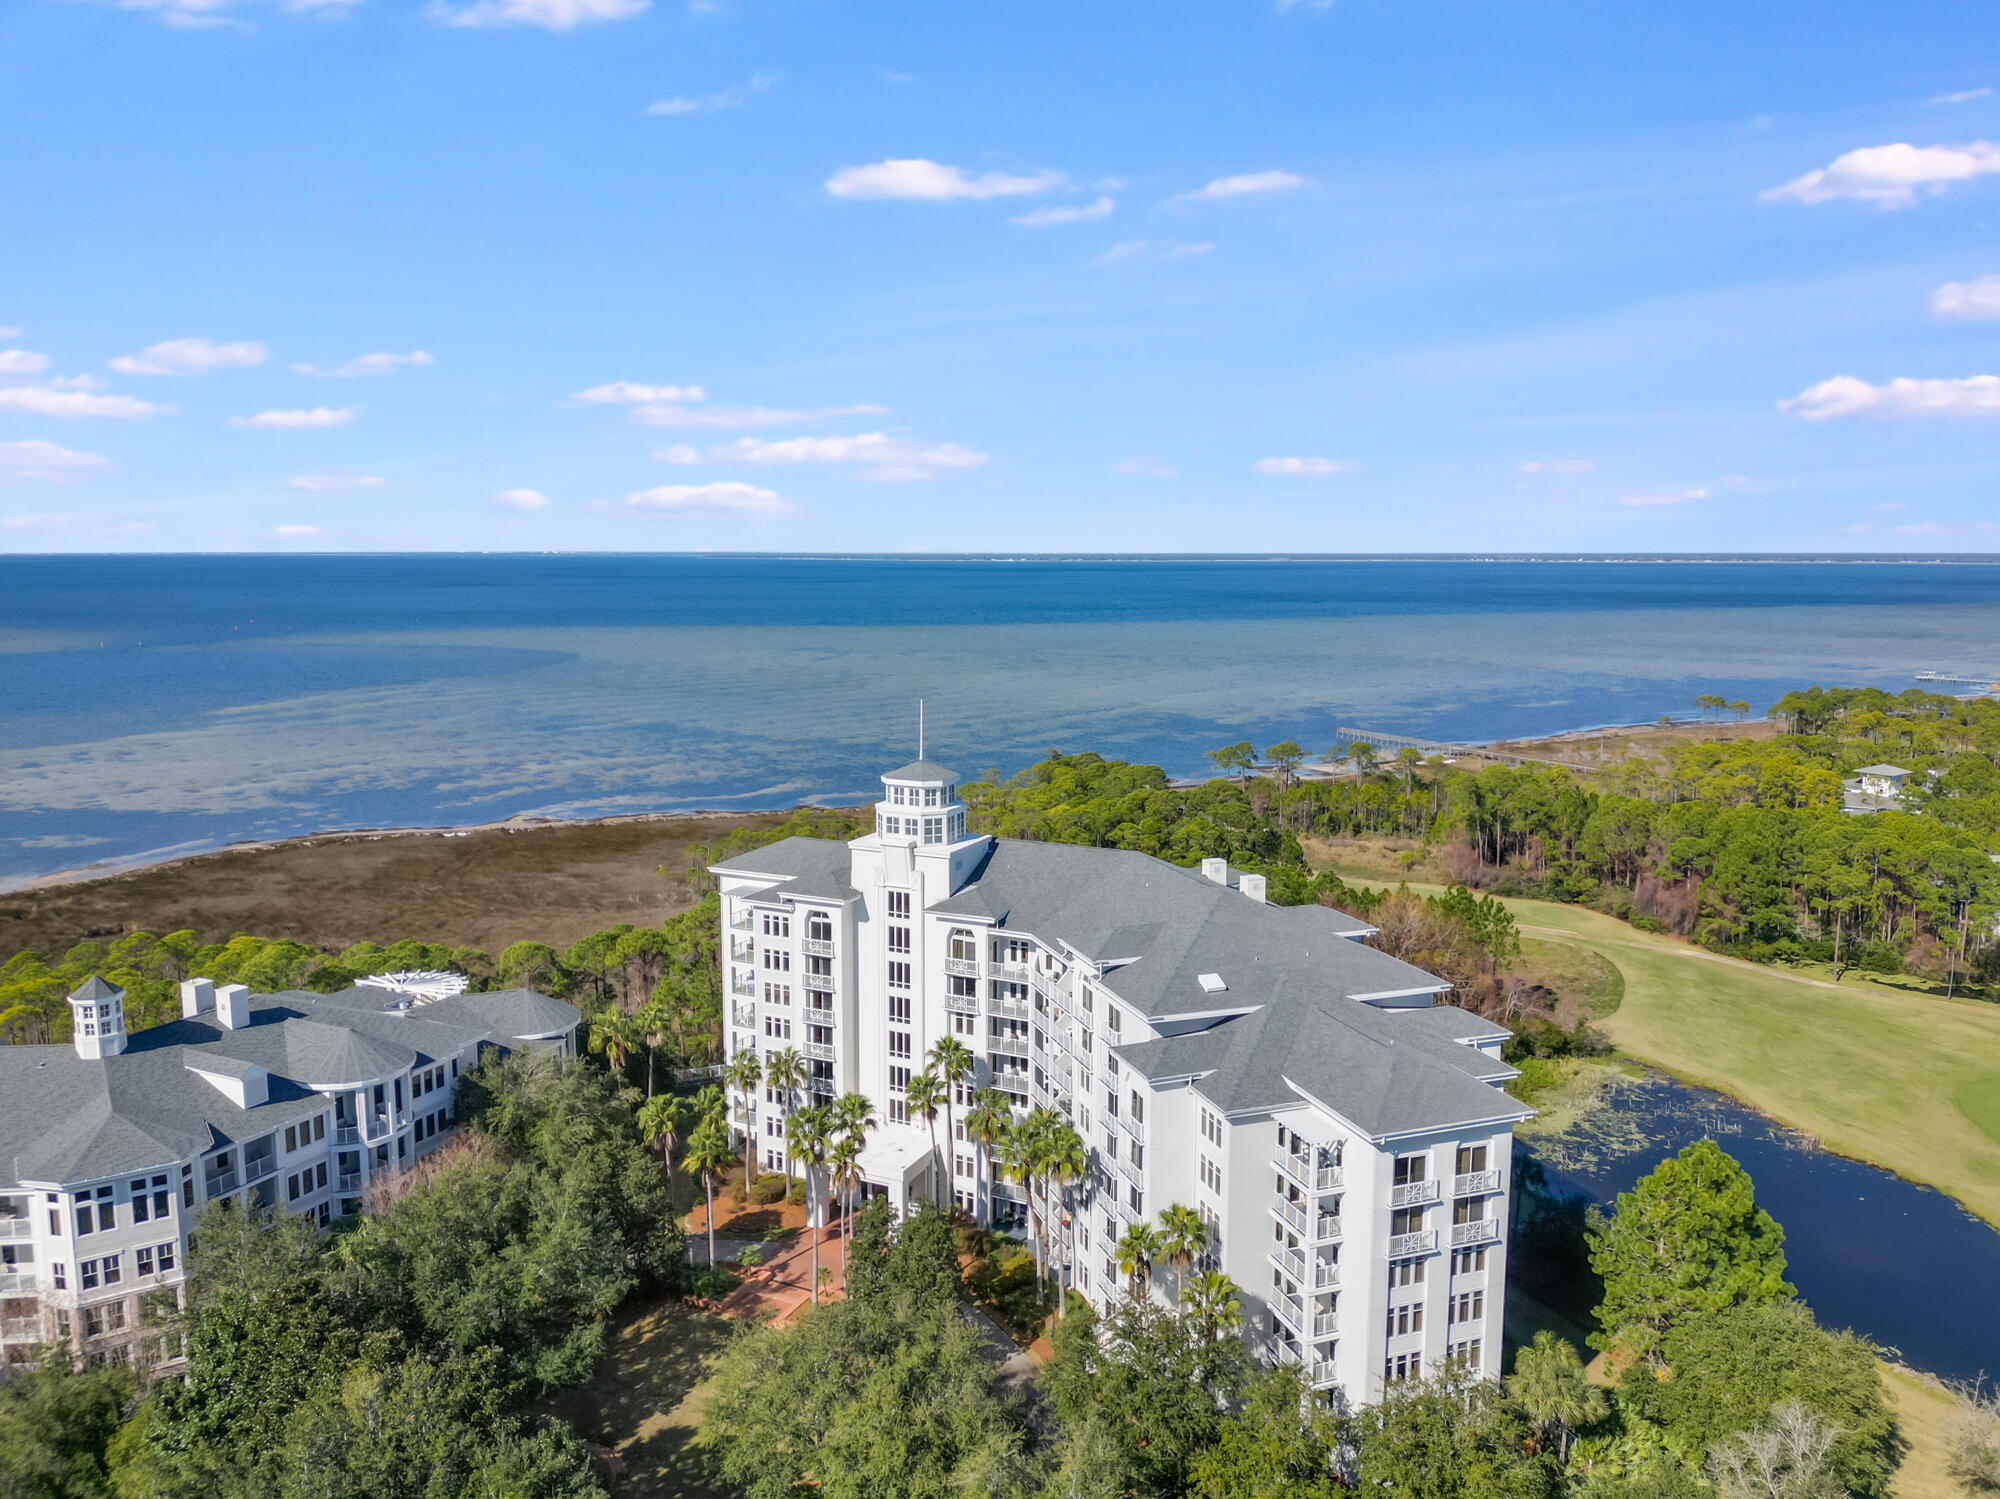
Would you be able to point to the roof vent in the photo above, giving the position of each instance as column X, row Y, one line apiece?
column 1211, row 983
column 1252, row 885
column 1216, row 870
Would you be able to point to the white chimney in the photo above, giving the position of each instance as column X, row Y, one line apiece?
column 1215, row 869
column 232, row 1006
column 197, row 997
column 1252, row 885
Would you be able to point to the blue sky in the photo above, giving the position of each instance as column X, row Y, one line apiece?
column 752, row 274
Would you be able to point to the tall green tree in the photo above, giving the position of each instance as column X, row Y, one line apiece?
column 1688, row 1239
column 1548, row 1383
column 707, row 1157
column 56, row 1425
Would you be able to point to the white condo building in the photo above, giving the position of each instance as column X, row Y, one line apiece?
column 111, row 1146
column 1345, row 1136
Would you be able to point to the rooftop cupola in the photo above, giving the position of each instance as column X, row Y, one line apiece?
column 97, row 1019
column 920, row 805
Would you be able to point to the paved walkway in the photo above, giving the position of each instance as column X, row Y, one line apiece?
column 782, row 1285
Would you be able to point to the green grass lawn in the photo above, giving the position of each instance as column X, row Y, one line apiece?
column 1872, row 1070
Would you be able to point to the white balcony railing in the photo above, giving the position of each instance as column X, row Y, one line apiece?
column 742, row 952
column 1329, row 1179
column 1411, row 1194
column 821, row 983
column 1008, row 1046
column 1320, row 1374
column 1475, row 1183
column 1291, row 1261
column 743, row 986
column 17, row 1283
column 820, row 1051
column 217, row 1185
column 350, row 1181
column 963, row 1004
column 1289, row 1311
column 1326, row 1324
column 963, row 967
column 819, row 1009
column 346, row 1134
column 1423, row 1241
column 1010, row 1009
column 16, row 1228
column 1298, row 1167
column 744, row 1015
column 1291, row 1212
column 816, row 947
column 742, row 921
column 256, row 1171
column 1326, row 1228
column 1480, row 1231
column 1325, row 1273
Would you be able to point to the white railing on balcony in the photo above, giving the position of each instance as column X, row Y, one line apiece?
column 17, row 1282
column 1289, row 1311
column 1291, row 1261
column 742, row 952
column 349, row 1181
column 1292, row 1212
column 1326, row 1324
column 1136, row 1128
column 1297, row 1167
column 1326, row 1228
column 1011, row 1009
column 963, row 1004
column 1480, row 1231
column 346, row 1134
column 1134, row 1173
column 819, row 1008
column 1320, row 1375
column 820, row 1051
column 217, row 1185
column 1423, row 1241
column 20, row 1329
column 744, row 1015
column 1013, row 973
column 1329, row 1179
column 963, row 967
column 1412, row 1193
column 743, row 986
column 1475, row 1183
column 1008, row 1046
column 257, row 1170
column 742, row 921
column 818, row 983
column 1325, row 1273
column 16, row 1228
column 816, row 947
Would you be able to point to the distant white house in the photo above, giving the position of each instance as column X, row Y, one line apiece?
column 1874, row 788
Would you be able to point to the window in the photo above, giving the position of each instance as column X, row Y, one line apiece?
column 142, row 1261
column 899, row 903
column 964, row 987
column 899, row 1008
column 291, row 1138
column 777, row 960
column 139, row 1204
column 1406, row 1272
column 933, row 829
column 777, row 994
column 319, row 1171
column 187, row 1191
column 899, row 1111
column 899, row 939
column 819, row 927
column 1471, row 1158
column 1467, row 1306
column 778, row 1027
column 899, row 1044
column 1211, row 1176
column 964, row 1025
column 899, row 975
column 1409, row 1169
column 84, row 1222
column 1111, row 1103
column 961, row 1165
column 1136, row 1200
column 899, row 1079
column 964, row 946
column 1401, row 1366
column 292, row 1188
column 1211, row 1127
column 1465, row 1354
column 777, row 924
column 1465, row 1261
column 1407, row 1318
column 113, row 1268
column 1468, row 1210
column 59, row 1276
column 820, row 1035
column 1138, row 1108
column 1112, row 1020
column 87, row 1275
column 161, row 1200
column 1406, row 1221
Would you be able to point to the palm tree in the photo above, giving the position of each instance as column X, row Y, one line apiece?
column 853, row 1117
column 708, row 1156
column 846, row 1161
column 655, row 1023
column 663, row 1120
column 1214, row 1300
column 1136, row 1250
column 808, row 1137
column 617, row 1035
column 785, row 1070
column 1021, row 1155
column 988, row 1118
column 951, row 1060
column 927, row 1093
column 1064, row 1159
column 710, row 1104
column 1549, row 1384
column 744, row 1072
column 1183, row 1235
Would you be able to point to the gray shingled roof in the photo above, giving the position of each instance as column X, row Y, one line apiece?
column 817, row 868
column 922, row 770
column 95, row 988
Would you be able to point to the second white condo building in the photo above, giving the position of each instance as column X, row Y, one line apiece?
column 1345, row 1136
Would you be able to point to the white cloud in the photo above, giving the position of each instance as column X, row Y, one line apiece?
column 47, row 400
column 1890, row 176
column 366, row 364
column 1671, row 497
column 1125, row 249
column 519, row 499
column 190, row 356
column 35, row 461
column 549, row 15
column 1844, row 395
column 328, row 483
column 75, row 382
column 695, row 104
column 317, row 416
column 626, row 393
column 22, row 362
column 1043, row 218
column 666, row 414
column 680, row 452
column 727, row 498
column 1558, row 466
column 880, row 455
column 1244, row 185
column 1189, row 252
column 1963, row 96
column 1978, row 298
column 933, row 182
column 292, row 533
column 1145, row 468
column 1312, row 468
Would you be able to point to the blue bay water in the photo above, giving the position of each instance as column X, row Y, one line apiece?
column 158, row 703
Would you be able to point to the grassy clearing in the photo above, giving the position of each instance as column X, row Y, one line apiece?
column 1923, row 1417
column 1872, row 1070
column 1588, row 984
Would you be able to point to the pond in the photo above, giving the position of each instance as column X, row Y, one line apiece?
column 1903, row 1264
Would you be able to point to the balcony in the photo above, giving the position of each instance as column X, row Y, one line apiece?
column 963, row 967
column 820, row 1051
column 1326, row 1325
column 350, row 1181
column 16, row 1228
column 818, row 983
column 17, row 1283
column 742, row 952
column 20, row 1329
column 346, row 1134
column 1326, row 1228
column 1475, row 1183
column 256, row 1171
column 1290, row 1212
column 816, row 947
column 743, row 920
column 1136, row 1128
column 1320, row 1375
column 1298, row 1167
column 1329, row 1179
column 1403, row 1246
column 963, row 1004
column 1292, row 1262
column 1008, row 1046
column 1013, row 973
column 1133, row 1173
column 1326, row 1274
column 225, row 1182
column 1289, row 1311
column 1008, row 1009
column 1413, row 1194
column 743, row 986
column 744, row 1016
column 1480, row 1231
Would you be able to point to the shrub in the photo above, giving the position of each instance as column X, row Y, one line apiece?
column 797, row 1194
column 713, row 1285
column 767, row 1189
column 1649, row 924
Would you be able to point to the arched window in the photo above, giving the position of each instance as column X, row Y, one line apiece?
column 964, row 945
column 819, row 928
